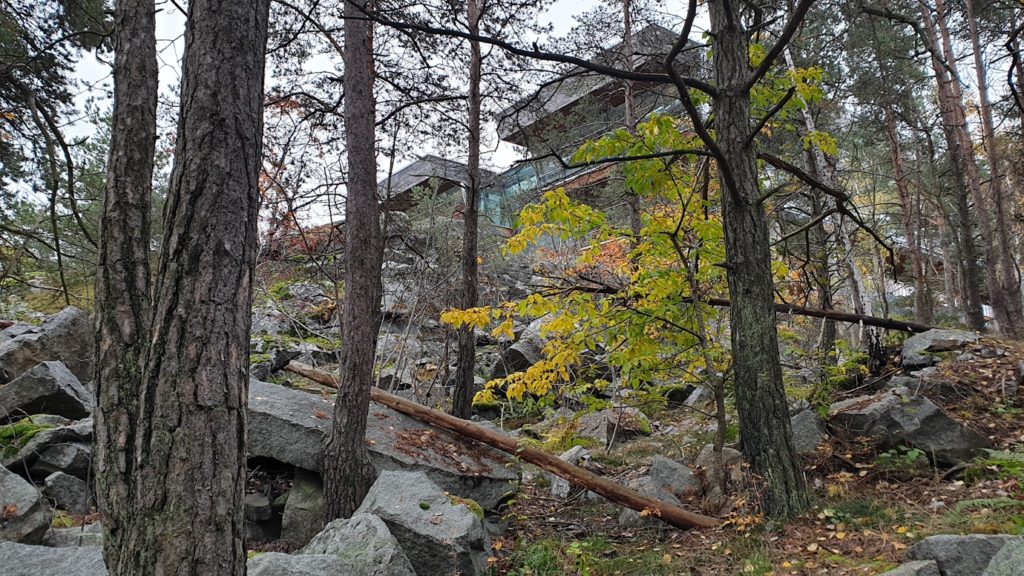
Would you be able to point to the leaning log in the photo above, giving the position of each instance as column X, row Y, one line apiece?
column 614, row 492
column 887, row 323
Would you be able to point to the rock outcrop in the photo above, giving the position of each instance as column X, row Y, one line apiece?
column 65, row 336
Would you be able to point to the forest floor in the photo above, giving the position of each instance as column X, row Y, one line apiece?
column 868, row 507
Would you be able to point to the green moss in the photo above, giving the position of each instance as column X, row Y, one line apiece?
column 280, row 290
column 424, row 506
column 13, row 437
column 62, row 519
column 473, row 506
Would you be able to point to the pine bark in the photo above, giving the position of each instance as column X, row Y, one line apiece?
column 122, row 303
column 462, row 402
column 346, row 467
column 190, row 458
column 766, row 437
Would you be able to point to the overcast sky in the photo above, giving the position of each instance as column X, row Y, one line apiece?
column 170, row 23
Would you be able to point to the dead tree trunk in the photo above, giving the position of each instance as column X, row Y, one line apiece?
column 462, row 401
column 187, row 509
column 664, row 511
column 122, row 272
column 346, row 467
column 761, row 405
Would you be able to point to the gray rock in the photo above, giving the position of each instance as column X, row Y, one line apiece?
column 304, row 510
column 732, row 459
column 65, row 336
column 257, row 507
column 673, row 476
column 437, row 536
column 959, row 555
column 87, row 535
column 524, row 353
column 67, row 493
column 560, row 487
column 916, row 348
column 915, row 421
column 1009, row 561
column 701, row 395
column 615, row 425
column 278, row 564
column 25, row 560
column 25, row 457
column 72, row 458
column 915, row 568
column 48, row 388
column 15, row 330
column 289, row 426
column 27, row 518
column 364, row 545
column 808, row 431
column 629, row 518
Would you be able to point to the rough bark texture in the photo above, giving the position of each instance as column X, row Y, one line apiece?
column 462, row 402
column 123, row 275
column 346, row 467
column 760, row 398
column 190, row 468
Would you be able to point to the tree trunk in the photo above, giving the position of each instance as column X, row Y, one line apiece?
column 462, row 402
column 964, row 182
column 346, row 467
column 190, row 479
column 765, row 434
column 633, row 203
column 1009, row 280
column 122, row 274
column 922, row 297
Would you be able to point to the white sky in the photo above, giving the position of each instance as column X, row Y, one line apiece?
column 96, row 78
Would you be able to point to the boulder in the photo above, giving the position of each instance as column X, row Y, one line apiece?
column 959, row 555
column 15, row 330
column 67, row 493
column 262, row 521
column 673, row 476
column 289, row 426
column 808, row 431
column 732, row 459
column 915, row 421
column 364, row 545
column 87, row 535
column 65, row 336
column 915, row 568
column 72, row 458
column 1009, row 561
column 438, row 536
column 647, row 486
column 918, row 348
column 304, row 510
column 615, row 425
column 25, row 560
column 525, row 352
column 23, row 516
column 47, row 388
column 560, row 487
column 25, row 455
column 278, row 564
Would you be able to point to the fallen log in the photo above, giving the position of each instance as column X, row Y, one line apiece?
column 887, row 323
column 614, row 492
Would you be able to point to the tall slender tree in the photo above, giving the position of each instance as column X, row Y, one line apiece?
column 346, row 467
column 462, row 402
column 123, row 267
